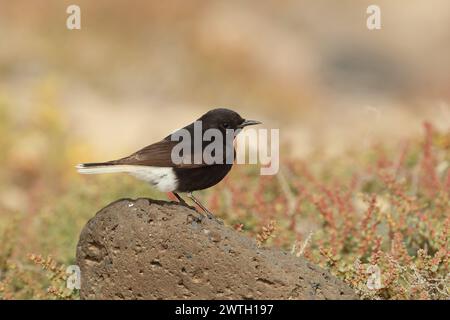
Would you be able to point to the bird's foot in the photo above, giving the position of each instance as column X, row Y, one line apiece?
column 204, row 209
column 212, row 216
column 195, row 218
column 206, row 214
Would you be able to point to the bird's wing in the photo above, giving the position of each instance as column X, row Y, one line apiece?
column 158, row 154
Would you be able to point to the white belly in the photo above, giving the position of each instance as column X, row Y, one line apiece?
column 162, row 178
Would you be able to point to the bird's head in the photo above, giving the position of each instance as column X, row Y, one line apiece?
column 224, row 119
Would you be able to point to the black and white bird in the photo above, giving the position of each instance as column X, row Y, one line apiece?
column 154, row 163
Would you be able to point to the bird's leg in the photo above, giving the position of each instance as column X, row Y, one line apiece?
column 184, row 203
column 208, row 213
column 180, row 199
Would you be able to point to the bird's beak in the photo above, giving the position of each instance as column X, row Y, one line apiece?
column 248, row 123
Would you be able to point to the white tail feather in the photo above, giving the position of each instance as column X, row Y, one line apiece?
column 163, row 178
column 102, row 169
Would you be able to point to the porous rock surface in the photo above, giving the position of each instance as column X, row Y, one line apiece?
column 148, row 249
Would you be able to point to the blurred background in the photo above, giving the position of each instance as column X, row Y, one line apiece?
column 139, row 69
column 311, row 68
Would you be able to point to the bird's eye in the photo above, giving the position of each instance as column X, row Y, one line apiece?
column 226, row 125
